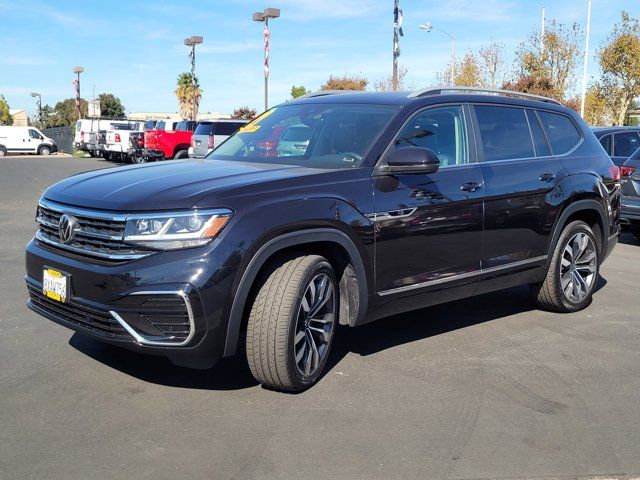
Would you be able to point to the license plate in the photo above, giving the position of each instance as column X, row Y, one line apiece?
column 55, row 284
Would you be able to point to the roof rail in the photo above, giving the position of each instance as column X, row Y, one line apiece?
column 323, row 93
column 479, row 90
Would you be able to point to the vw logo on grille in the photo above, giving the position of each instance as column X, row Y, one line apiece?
column 67, row 228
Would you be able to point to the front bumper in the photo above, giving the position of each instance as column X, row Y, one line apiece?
column 152, row 305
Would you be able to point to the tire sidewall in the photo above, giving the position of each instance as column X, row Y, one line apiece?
column 44, row 151
column 305, row 381
column 567, row 234
column 3, row 152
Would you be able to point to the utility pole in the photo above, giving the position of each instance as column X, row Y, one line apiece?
column 264, row 17
column 192, row 42
column 586, row 61
column 34, row 95
column 542, row 31
column 78, row 71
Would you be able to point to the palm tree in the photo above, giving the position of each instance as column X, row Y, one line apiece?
column 189, row 94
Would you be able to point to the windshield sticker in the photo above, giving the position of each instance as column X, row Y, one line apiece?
column 253, row 125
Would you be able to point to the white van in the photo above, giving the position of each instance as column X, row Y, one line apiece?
column 25, row 140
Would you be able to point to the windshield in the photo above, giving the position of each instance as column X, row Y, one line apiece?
column 330, row 135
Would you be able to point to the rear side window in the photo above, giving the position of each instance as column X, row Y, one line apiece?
column 160, row 125
column 625, row 143
column 505, row 132
column 539, row 140
column 205, row 128
column 228, row 128
column 606, row 144
column 561, row 132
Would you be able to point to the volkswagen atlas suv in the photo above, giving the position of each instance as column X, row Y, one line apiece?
column 397, row 201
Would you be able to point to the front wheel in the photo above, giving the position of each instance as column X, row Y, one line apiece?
column 292, row 323
column 44, row 151
column 573, row 271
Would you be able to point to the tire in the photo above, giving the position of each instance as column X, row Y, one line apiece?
column 181, row 154
column 138, row 159
column 106, row 155
column 92, row 154
column 44, row 151
column 279, row 325
column 3, row 151
column 576, row 256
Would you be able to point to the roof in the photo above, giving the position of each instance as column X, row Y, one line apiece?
column 429, row 95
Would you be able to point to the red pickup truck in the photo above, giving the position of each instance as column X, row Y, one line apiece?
column 169, row 139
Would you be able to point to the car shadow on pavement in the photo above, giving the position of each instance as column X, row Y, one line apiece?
column 627, row 238
column 234, row 374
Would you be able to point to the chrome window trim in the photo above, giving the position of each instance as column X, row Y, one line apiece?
column 141, row 339
column 462, row 276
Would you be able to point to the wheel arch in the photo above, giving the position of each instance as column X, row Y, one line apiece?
column 589, row 211
column 329, row 242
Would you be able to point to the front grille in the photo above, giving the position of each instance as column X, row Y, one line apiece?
column 93, row 319
column 97, row 235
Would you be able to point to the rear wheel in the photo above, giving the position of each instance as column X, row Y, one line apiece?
column 181, row 154
column 3, row 151
column 106, row 155
column 292, row 322
column 573, row 271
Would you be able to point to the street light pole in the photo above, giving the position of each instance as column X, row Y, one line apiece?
column 586, row 61
column 78, row 71
column 428, row 27
column 34, row 94
column 192, row 42
column 264, row 17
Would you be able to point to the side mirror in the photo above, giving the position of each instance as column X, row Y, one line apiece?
column 413, row 160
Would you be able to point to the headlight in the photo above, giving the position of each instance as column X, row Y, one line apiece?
column 175, row 230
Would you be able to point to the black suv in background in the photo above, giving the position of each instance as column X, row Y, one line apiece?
column 397, row 201
column 618, row 142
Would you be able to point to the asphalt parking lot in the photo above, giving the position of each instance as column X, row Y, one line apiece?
column 482, row 388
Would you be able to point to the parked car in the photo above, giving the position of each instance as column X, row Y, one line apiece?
column 400, row 201
column 294, row 141
column 86, row 133
column 211, row 133
column 618, row 142
column 25, row 140
column 117, row 141
column 169, row 140
column 630, row 186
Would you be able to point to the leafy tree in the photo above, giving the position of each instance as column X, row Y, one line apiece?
column 66, row 113
column 298, row 91
column 597, row 109
column 619, row 59
column 532, row 84
column 469, row 73
column 492, row 63
column 5, row 116
column 244, row 112
column 386, row 85
column 346, row 82
column 189, row 94
column 556, row 61
column 110, row 106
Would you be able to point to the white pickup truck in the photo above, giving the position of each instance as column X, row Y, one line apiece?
column 117, row 142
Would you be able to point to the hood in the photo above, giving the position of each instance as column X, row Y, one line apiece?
column 168, row 185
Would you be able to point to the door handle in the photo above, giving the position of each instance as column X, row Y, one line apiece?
column 470, row 186
column 547, row 177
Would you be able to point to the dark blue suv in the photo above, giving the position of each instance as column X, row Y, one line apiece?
column 393, row 202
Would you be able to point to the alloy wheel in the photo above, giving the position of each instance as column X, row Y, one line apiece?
column 578, row 267
column 314, row 324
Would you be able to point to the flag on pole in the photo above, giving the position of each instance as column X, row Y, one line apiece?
column 266, row 51
column 397, row 29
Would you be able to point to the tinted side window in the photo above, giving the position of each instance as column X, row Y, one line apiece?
column 205, row 128
column 227, row 128
column 505, row 132
column 440, row 129
column 34, row 134
column 625, row 143
column 606, row 143
column 539, row 140
column 561, row 132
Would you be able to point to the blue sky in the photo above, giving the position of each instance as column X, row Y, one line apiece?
column 135, row 49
